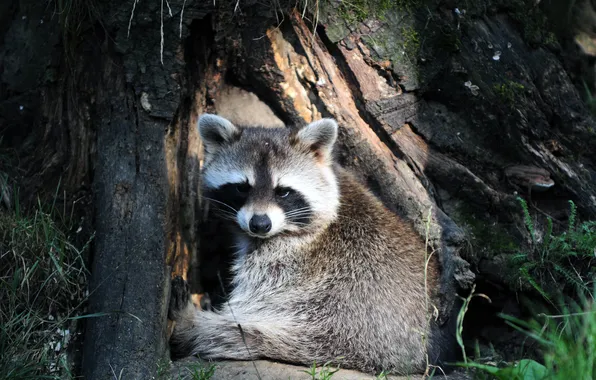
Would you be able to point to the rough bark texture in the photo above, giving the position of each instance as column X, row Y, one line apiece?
column 83, row 102
column 429, row 120
column 143, row 186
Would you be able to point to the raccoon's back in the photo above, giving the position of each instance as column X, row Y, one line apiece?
column 369, row 269
column 365, row 231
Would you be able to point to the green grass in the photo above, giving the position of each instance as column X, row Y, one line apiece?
column 567, row 342
column 324, row 373
column 555, row 264
column 558, row 262
column 193, row 371
column 201, row 371
column 42, row 289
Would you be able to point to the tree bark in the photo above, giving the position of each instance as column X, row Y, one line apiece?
column 88, row 99
column 145, row 183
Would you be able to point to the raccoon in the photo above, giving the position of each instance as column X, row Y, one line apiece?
column 322, row 271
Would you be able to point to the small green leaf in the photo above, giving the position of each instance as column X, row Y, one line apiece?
column 526, row 369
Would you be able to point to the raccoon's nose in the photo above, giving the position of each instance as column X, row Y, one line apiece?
column 260, row 224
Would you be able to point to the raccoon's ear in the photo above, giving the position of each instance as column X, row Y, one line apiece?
column 319, row 136
column 216, row 132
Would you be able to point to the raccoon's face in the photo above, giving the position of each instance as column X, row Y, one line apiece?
column 270, row 180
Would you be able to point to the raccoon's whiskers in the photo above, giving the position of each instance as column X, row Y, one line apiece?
column 221, row 203
column 298, row 209
column 226, row 215
column 298, row 212
column 295, row 220
column 298, row 216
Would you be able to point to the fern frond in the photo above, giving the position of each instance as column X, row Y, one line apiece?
column 571, row 277
column 519, row 258
column 526, row 275
column 527, row 218
column 572, row 215
column 546, row 248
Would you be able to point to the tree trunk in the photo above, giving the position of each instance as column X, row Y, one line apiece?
column 86, row 101
column 433, row 107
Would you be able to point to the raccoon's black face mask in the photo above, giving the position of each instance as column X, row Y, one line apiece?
column 270, row 180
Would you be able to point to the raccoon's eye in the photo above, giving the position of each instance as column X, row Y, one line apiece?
column 243, row 188
column 283, row 192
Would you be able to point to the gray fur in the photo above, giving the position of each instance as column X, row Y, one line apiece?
column 216, row 131
column 350, row 285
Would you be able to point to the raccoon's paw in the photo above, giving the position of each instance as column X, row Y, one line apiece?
column 179, row 298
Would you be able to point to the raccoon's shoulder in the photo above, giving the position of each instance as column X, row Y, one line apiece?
column 366, row 237
column 363, row 219
column 357, row 202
